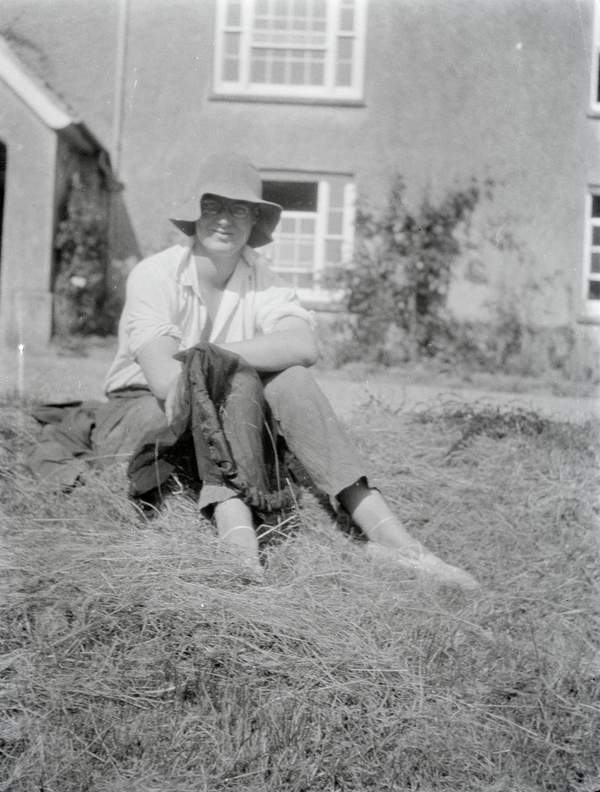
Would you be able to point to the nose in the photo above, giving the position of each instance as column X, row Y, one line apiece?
column 224, row 216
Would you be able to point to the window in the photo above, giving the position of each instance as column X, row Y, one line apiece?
column 291, row 48
column 595, row 81
column 315, row 232
column 591, row 283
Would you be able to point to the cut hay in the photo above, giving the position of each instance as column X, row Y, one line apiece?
column 135, row 658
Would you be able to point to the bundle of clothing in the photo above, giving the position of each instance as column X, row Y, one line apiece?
column 224, row 435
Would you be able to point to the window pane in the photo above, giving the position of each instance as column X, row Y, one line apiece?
column 285, row 254
column 595, row 263
column 333, row 251
column 306, row 253
column 320, row 8
column 299, row 196
column 287, row 225
column 595, row 235
column 277, row 71
column 594, row 290
column 347, row 15
column 232, row 43
column 336, row 194
column 234, row 10
column 317, row 74
column 231, row 61
column 595, row 205
column 297, row 73
column 343, row 74
column 258, row 71
column 336, row 222
column 304, row 280
column 231, row 70
column 345, row 47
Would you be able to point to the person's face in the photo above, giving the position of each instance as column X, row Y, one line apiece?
column 224, row 225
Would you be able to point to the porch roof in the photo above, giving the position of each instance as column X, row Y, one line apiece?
column 42, row 100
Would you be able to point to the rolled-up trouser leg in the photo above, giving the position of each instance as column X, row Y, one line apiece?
column 242, row 413
column 312, row 431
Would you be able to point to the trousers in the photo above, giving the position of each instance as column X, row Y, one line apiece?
column 302, row 415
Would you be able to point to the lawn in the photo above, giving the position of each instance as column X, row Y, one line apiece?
column 135, row 658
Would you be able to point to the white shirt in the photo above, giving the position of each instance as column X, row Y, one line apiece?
column 163, row 298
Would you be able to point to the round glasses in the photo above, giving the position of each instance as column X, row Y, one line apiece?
column 213, row 206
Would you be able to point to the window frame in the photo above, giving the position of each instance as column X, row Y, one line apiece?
column 591, row 307
column 595, row 64
column 327, row 92
column 319, row 295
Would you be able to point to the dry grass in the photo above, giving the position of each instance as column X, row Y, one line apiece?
column 136, row 659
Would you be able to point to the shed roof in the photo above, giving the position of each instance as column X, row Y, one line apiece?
column 41, row 99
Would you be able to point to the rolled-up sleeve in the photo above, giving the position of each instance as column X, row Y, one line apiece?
column 275, row 301
column 149, row 311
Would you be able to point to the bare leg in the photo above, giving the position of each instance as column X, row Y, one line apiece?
column 389, row 539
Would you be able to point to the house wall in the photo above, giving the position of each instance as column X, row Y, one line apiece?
column 454, row 89
column 589, row 327
column 28, row 229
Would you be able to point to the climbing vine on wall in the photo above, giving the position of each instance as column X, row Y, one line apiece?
column 81, row 258
column 402, row 270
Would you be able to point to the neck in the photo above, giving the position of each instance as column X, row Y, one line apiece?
column 214, row 268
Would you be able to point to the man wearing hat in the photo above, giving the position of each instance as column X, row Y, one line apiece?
column 215, row 289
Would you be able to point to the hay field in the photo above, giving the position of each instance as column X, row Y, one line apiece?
column 135, row 659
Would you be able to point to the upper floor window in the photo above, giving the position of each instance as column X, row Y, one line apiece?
column 315, row 233
column 291, row 48
column 595, row 82
column 591, row 284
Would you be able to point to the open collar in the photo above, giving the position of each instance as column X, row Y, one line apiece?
column 237, row 285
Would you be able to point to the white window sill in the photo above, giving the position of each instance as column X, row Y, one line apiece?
column 286, row 99
column 590, row 318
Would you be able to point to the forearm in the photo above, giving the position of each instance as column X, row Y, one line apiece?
column 278, row 350
column 158, row 365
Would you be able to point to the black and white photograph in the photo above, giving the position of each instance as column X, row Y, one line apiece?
column 299, row 395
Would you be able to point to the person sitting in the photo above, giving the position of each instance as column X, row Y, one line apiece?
column 215, row 292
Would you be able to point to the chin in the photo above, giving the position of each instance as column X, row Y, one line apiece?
column 221, row 245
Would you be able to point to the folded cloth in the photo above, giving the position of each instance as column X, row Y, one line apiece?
column 221, row 433
column 63, row 452
column 219, row 409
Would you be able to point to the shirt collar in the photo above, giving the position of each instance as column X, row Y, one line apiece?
column 187, row 274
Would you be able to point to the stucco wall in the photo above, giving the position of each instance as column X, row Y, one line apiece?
column 28, row 229
column 454, row 89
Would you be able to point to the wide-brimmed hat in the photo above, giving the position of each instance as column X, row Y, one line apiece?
column 230, row 177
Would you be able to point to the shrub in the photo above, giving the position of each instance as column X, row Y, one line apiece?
column 396, row 295
column 82, row 251
column 401, row 272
